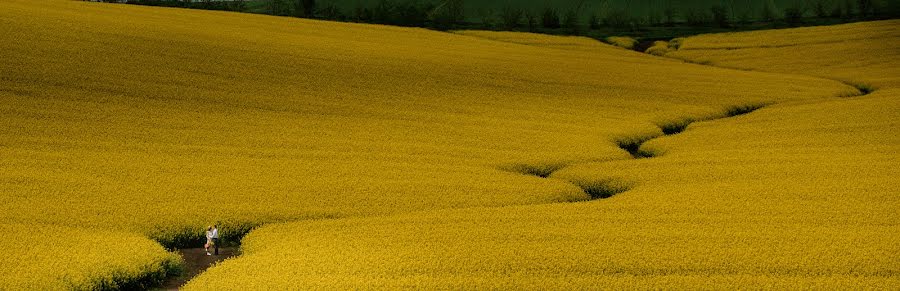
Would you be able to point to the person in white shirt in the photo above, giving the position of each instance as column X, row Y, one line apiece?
column 215, row 238
column 209, row 239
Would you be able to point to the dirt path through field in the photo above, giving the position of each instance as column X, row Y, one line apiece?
column 195, row 262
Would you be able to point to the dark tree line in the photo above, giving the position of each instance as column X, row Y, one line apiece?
column 443, row 14
column 449, row 14
column 235, row 5
column 723, row 15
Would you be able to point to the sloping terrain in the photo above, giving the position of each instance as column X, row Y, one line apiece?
column 792, row 195
column 863, row 54
column 49, row 257
column 157, row 122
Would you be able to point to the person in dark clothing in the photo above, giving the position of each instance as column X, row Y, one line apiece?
column 215, row 239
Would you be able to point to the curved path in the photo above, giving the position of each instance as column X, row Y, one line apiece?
column 195, row 262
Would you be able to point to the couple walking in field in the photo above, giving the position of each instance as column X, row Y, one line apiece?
column 212, row 239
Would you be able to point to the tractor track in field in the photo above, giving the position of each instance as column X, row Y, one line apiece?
column 602, row 189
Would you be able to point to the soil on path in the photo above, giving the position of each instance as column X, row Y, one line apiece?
column 195, row 262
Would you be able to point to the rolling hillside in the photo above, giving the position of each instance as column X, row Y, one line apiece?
column 384, row 156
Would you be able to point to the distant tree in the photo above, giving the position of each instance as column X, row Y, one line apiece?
column 309, row 8
column 550, row 18
column 238, row 5
column 455, row 11
column 768, row 12
column 387, row 12
column 655, row 18
column 531, row 21
column 820, row 9
column 446, row 14
column 720, row 16
column 511, row 16
column 618, row 19
column 866, row 8
column 487, row 17
column 594, row 21
column 793, row 15
column 836, row 11
column 331, row 11
column 362, row 14
column 695, row 17
column 297, row 8
column 669, row 15
column 746, row 16
column 893, row 9
column 305, row 8
column 411, row 13
column 570, row 22
column 848, row 9
column 572, row 19
column 279, row 7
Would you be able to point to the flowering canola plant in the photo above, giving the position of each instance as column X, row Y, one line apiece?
column 49, row 257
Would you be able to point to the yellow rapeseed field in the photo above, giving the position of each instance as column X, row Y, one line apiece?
column 622, row 41
column 863, row 54
column 48, row 257
column 395, row 148
column 796, row 195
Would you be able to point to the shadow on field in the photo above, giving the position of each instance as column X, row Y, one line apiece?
column 537, row 170
column 632, row 145
column 864, row 89
column 603, row 189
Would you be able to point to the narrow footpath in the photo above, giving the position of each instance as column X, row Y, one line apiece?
column 195, row 262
